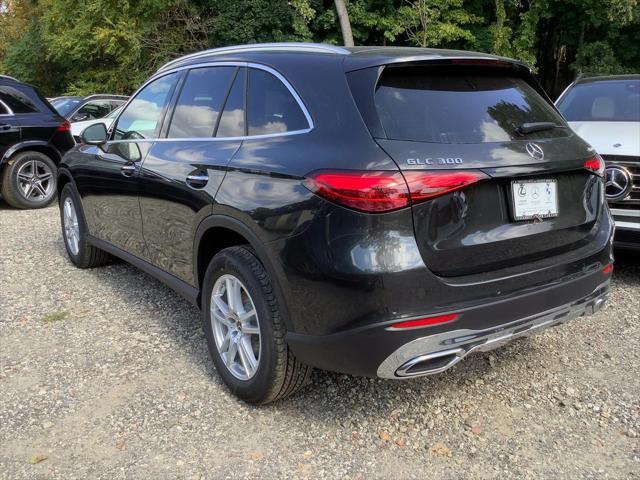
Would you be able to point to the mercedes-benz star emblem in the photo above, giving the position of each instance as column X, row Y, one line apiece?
column 618, row 183
column 535, row 151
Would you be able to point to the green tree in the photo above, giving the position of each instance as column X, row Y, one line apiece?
column 435, row 23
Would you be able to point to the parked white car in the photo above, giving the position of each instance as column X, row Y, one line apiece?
column 78, row 127
column 605, row 111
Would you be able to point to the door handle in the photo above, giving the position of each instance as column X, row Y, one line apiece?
column 5, row 127
column 197, row 180
column 128, row 170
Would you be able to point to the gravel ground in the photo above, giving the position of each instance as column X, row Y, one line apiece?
column 105, row 374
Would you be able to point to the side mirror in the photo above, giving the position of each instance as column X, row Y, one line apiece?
column 95, row 134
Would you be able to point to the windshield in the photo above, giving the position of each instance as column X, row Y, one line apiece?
column 603, row 101
column 458, row 105
column 65, row 106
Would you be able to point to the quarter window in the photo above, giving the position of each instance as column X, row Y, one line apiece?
column 270, row 106
column 200, row 102
column 232, row 119
column 17, row 101
column 142, row 117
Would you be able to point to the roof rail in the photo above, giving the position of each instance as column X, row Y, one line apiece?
column 106, row 96
column 7, row 77
column 257, row 47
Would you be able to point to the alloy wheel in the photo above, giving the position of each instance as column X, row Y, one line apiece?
column 71, row 227
column 35, row 180
column 235, row 325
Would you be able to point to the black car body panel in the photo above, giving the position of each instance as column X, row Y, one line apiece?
column 343, row 276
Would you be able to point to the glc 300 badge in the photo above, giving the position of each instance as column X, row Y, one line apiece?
column 435, row 161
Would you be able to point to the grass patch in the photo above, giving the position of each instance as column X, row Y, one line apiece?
column 55, row 316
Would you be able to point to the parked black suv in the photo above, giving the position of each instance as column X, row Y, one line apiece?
column 33, row 138
column 375, row 211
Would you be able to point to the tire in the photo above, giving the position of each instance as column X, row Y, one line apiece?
column 29, row 180
column 278, row 373
column 74, row 232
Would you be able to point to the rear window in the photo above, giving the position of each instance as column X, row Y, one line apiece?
column 605, row 101
column 459, row 106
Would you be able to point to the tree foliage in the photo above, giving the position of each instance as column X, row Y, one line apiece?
column 83, row 46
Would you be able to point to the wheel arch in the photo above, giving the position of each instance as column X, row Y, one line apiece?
column 32, row 146
column 217, row 232
column 64, row 177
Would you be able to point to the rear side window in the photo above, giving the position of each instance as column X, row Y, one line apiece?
column 456, row 105
column 200, row 102
column 17, row 100
column 270, row 106
column 605, row 101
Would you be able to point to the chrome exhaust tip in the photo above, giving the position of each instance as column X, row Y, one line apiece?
column 431, row 363
column 597, row 305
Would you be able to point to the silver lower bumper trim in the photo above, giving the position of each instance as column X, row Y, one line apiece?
column 436, row 353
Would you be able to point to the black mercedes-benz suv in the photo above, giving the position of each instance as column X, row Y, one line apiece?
column 374, row 211
column 33, row 138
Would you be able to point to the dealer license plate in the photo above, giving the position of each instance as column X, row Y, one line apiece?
column 535, row 199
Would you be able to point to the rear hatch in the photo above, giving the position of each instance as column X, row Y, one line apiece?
column 519, row 187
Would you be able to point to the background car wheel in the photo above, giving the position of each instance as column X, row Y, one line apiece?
column 74, row 232
column 244, row 329
column 29, row 180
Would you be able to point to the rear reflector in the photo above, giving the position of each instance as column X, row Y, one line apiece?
column 608, row 269
column 64, row 127
column 424, row 322
column 384, row 191
column 595, row 165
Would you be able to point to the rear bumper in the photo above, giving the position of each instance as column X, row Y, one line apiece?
column 437, row 353
column 375, row 351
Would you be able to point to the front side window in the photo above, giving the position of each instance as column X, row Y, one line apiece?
column 270, row 106
column 200, row 102
column 142, row 117
column 3, row 109
column 603, row 101
column 459, row 105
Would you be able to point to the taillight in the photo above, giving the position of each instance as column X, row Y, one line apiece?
column 424, row 322
column 384, row 191
column 595, row 165
column 607, row 269
column 427, row 185
column 379, row 191
column 64, row 127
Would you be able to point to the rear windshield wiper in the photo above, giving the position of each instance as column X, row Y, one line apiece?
column 526, row 128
